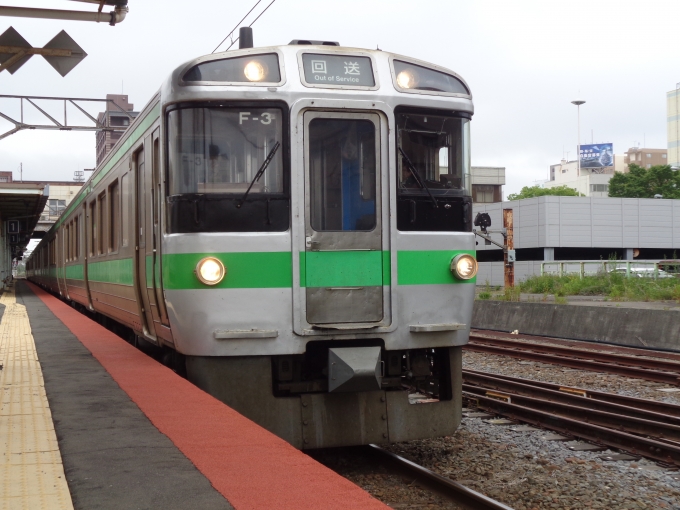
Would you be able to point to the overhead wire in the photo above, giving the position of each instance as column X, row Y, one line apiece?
column 251, row 24
column 237, row 24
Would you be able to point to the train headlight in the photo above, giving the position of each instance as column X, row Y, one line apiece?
column 254, row 71
column 464, row 266
column 210, row 271
column 406, row 79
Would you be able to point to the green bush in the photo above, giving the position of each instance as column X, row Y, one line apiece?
column 484, row 295
column 615, row 286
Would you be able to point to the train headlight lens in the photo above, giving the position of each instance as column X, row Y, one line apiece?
column 464, row 266
column 406, row 79
column 254, row 71
column 210, row 271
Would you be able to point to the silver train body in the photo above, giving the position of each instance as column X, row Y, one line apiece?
column 334, row 301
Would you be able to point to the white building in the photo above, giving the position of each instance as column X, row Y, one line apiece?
column 673, row 125
column 588, row 183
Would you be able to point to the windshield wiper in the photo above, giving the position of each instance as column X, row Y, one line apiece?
column 259, row 173
column 416, row 176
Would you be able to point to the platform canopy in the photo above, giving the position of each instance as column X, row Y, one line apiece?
column 23, row 202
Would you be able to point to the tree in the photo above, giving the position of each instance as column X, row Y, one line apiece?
column 537, row 191
column 646, row 182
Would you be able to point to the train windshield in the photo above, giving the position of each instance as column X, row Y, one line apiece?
column 432, row 154
column 225, row 150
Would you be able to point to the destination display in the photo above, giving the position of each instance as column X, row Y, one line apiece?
column 339, row 70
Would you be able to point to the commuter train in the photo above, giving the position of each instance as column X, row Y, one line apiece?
column 293, row 224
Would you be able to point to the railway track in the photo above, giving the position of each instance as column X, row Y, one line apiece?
column 658, row 370
column 459, row 494
column 641, row 427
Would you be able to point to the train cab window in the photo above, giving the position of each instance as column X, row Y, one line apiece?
column 226, row 170
column 342, row 173
column 433, row 168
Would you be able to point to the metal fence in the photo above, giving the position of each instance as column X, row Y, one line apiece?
column 636, row 268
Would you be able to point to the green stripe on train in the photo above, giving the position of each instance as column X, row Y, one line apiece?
column 75, row 272
column 317, row 269
column 428, row 267
column 111, row 271
column 250, row 270
column 342, row 269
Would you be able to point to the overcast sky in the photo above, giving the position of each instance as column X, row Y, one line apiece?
column 525, row 61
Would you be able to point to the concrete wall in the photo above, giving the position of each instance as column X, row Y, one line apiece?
column 623, row 326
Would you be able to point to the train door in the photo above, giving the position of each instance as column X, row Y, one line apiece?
column 142, row 247
column 343, row 260
column 156, row 203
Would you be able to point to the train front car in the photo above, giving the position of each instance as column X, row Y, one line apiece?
column 318, row 260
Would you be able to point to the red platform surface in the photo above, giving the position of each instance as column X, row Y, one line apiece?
column 248, row 465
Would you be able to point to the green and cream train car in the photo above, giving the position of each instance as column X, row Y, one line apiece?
column 294, row 224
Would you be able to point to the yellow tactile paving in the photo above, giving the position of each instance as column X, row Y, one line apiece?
column 31, row 471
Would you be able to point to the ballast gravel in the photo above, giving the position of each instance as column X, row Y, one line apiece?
column 524, row 470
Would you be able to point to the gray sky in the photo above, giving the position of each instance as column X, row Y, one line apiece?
column 524, row 61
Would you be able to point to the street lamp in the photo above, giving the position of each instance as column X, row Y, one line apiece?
column 578, row 103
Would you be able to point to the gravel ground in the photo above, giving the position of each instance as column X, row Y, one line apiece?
column 523, row 469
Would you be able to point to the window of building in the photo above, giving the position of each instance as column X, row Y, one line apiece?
column 663, row 156
column 56, row 206
column 649, row 165
column 114, row 213
column 4, row 179
column 649, row 155
column 564, row 170
column 599, row 188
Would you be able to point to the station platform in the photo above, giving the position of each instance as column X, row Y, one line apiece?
column 88, row 421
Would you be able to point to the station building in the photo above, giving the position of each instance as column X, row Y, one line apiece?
column 579, row 228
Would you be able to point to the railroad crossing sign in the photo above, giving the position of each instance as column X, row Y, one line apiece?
column 62, row 52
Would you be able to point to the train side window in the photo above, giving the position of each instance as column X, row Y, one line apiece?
column 66, row 242
column 101, row 234
column 114, row 210
column 76, row 251
column 125, row 208
column 93, row 227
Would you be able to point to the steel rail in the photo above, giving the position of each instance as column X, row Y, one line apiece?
column 642, row 350
column 573, row 352
column 458, row 493
column 652, row 406
column 619, row 419
column 578, row 363
column 651, row 448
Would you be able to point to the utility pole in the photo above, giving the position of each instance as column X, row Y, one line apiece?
column 509, row 251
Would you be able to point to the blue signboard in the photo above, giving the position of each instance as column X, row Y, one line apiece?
column 599, row 155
